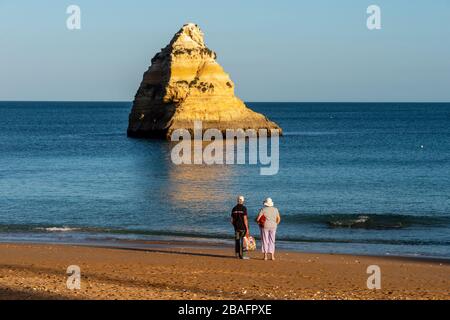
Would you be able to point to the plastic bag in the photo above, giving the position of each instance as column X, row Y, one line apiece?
column 249, row 243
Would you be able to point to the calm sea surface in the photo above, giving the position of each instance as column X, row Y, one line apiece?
column 353, row 178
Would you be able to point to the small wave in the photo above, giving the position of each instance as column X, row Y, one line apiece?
column 309, row 133
column 58, row 229
column 39, row 228
column 107, row 134
column 101, row 134
column 367, row 222
column 370, row 221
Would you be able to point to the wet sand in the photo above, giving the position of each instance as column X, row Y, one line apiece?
column 181, row 271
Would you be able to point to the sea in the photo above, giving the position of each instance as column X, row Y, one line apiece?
column 353, row 178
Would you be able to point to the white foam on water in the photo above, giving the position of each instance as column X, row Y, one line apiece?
column 58, row 229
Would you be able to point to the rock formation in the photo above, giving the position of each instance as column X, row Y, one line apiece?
column 185, row 83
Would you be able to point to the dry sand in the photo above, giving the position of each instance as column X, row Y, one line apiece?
column 38, row 271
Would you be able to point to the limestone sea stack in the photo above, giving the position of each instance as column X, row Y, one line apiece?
column 184, row 84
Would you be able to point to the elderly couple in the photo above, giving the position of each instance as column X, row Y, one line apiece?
column 267, row 219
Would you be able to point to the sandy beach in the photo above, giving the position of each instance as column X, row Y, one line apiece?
column 38, row 271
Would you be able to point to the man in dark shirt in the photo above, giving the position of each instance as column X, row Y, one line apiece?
column 240, row 222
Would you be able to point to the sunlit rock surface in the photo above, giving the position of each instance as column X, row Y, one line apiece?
column 185, row 83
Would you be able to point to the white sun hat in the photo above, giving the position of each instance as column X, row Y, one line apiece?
column 268, row 202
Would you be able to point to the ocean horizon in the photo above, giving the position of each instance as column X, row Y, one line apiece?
column 358, row 178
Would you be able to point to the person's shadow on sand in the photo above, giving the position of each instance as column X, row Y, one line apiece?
column 199, row 254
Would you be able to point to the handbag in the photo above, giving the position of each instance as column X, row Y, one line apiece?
column 262, row 221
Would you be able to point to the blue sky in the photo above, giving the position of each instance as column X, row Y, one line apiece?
column 295, row 50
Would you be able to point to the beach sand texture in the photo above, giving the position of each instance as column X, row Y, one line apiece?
column 31, row 271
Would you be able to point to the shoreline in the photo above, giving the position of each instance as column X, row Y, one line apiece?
column 211, row 243
column 183, row 270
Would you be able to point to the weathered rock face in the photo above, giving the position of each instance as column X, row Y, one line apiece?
column 185, row 83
